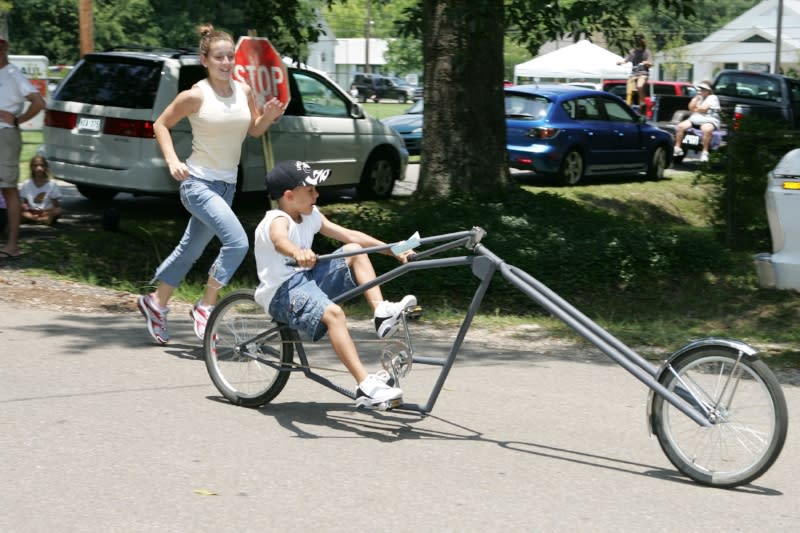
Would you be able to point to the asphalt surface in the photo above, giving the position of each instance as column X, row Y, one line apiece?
column 101, row 430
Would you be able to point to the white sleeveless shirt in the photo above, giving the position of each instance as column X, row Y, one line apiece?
column 270, row 263
column 218, row 130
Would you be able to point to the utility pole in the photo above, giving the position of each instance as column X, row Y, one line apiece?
column 778, row 38
column 367, row 28
column 86, row 27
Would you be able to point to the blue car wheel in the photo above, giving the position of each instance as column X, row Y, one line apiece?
column 571, row 170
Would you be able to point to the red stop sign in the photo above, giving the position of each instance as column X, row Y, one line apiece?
column 260, row 66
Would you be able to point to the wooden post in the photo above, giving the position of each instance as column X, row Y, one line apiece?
column 86, row 27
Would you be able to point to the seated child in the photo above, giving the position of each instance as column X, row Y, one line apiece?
column 39, row 195
column 301, row 296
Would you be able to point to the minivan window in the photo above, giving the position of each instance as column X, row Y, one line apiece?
column 318, row 98
column 118, row 82
column 190, row 74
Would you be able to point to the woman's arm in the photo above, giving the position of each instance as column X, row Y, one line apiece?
column 186, row 103
column 262, row 119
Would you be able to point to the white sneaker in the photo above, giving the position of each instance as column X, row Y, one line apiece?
column 374, row 393
column 387, row 315
column 704, row 157
column 677, row 152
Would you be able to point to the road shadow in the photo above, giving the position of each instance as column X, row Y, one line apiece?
column 391, row 426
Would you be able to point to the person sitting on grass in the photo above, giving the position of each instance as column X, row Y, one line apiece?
column 39, row 195
column 301, row 296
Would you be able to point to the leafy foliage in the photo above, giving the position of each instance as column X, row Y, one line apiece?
column 290, row 24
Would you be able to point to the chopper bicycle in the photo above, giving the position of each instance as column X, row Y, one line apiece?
column 717, row 410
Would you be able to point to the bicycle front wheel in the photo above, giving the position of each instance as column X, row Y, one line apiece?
column 247, row 355
column 745, row 403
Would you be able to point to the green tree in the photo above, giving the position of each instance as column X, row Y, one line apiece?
column 404, row 56
column 348, row 18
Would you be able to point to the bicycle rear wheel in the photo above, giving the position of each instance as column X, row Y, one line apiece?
column 742, row 398
column 247, row 356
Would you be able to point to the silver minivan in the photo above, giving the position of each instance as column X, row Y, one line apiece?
column 98, row 131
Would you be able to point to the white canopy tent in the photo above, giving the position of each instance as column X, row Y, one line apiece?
column 580, row 61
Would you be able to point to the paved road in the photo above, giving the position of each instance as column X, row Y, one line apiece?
column 100, row 431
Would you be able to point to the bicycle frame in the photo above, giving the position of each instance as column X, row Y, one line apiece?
column 484, row 265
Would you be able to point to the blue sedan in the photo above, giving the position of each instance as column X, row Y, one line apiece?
column 570, row 133
column 409, row 126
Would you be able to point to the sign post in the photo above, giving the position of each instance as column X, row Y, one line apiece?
column 258, row 64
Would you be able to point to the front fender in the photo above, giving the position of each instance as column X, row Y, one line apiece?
column 732, row 344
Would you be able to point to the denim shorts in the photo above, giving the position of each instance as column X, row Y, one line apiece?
column 302, row 299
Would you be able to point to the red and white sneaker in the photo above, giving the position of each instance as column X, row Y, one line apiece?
column 156, row 317
column 200, row 314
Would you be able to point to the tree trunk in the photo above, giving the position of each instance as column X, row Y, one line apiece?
column 465, row 136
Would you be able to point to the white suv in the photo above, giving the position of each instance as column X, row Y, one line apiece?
column 98, row 131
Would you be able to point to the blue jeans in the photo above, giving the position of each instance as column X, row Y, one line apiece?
column 209, row 203
column 302, row 299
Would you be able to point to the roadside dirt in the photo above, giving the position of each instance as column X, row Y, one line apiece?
column 61, row 295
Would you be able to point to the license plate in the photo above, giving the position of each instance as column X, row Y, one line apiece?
column 694, row 140
column 89, row 124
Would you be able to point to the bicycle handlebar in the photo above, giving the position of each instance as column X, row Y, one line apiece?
column 469, row 238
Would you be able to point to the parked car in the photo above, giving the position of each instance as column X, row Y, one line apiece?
column 409, row 126
column 98, row 131
column 781, row 268
column 770, row 96
column 374, row 87
column 655, row 88
column 570, row 133
column 567, row 132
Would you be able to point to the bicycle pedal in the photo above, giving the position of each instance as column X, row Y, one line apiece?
column 382, row 406
column 414, row 312
column 391, row 404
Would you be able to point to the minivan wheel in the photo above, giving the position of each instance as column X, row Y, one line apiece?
column 96, row 194
column 377, row 180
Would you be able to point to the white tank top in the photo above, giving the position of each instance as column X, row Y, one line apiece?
column 271, row 264
column 218, row 130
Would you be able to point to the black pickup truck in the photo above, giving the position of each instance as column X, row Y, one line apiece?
column 742, row 92
column 375, row 87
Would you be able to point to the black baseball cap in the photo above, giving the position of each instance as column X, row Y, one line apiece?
column 286, row 175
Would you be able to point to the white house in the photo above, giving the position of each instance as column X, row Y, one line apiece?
column 322, row 54
column 342, row 58
column 748, row 42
